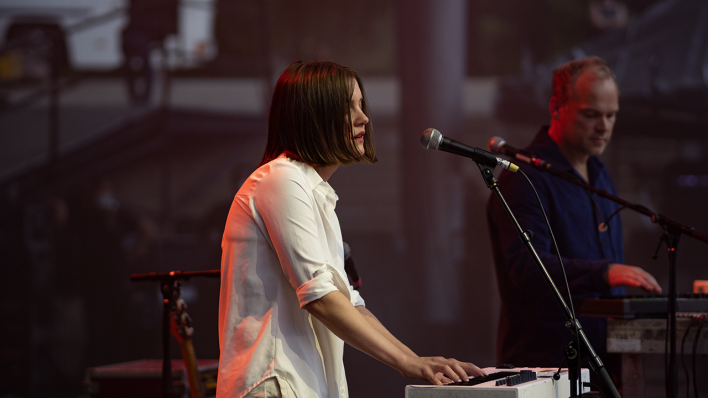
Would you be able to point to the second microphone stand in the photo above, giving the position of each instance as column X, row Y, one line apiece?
column 572, row 323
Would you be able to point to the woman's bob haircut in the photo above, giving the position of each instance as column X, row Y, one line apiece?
column 310, row 118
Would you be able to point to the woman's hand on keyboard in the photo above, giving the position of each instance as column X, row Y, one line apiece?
column 437, row 369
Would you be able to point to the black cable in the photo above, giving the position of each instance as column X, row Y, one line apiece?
column 598, row 214
column 588, row 384
column 560, row 261
column 683, row 361
column 557, row 375
column 607, row 222
column 602, row 226
column 590, row 193
column 666, row 357
column 693, row 353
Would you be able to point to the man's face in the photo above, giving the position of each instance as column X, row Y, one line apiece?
column 588, row 117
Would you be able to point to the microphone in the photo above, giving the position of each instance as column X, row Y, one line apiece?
column 498, row 146
column 432, row 139
column 349, row 267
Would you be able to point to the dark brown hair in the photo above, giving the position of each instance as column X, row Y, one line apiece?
column 309, row 116
column 565, row 76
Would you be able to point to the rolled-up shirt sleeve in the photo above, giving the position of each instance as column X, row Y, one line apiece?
column 289, row 215
column 317, row 287
column 356, row 298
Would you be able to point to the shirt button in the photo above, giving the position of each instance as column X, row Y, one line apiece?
column 341, row 391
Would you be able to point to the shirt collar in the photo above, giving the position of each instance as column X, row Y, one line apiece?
column 312, row 178
column 545, row 148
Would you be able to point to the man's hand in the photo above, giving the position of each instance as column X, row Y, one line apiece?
column 439, row 370
column 628, row 275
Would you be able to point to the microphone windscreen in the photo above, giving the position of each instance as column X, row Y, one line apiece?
column 431, row 139
column 495, row 145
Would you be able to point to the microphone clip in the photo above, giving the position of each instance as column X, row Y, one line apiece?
column 488, row 174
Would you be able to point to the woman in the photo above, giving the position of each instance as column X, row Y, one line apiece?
column 286, row 306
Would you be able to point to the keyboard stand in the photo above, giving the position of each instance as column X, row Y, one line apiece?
column 634, row 338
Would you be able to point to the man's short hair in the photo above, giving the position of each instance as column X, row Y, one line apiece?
column 310, row 117
column 565, row 76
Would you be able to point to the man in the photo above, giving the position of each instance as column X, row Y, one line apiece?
column 531, row 326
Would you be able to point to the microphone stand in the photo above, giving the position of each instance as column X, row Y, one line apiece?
column 170, row 287
column 671, row 235
column 572, row 323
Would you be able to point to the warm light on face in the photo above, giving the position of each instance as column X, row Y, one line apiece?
column 358, row 118
column 588, row 118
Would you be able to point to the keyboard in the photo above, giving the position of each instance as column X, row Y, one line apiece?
column 500, row 378
column 632, row 307
column 502, row 383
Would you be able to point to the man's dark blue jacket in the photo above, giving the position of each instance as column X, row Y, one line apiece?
column 531, row 324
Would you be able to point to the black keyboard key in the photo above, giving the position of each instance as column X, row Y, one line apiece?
column 483, row 379
column 502, row 378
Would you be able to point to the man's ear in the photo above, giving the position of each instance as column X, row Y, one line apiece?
column 554, row 108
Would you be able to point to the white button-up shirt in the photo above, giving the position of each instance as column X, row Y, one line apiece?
column 282, row 248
